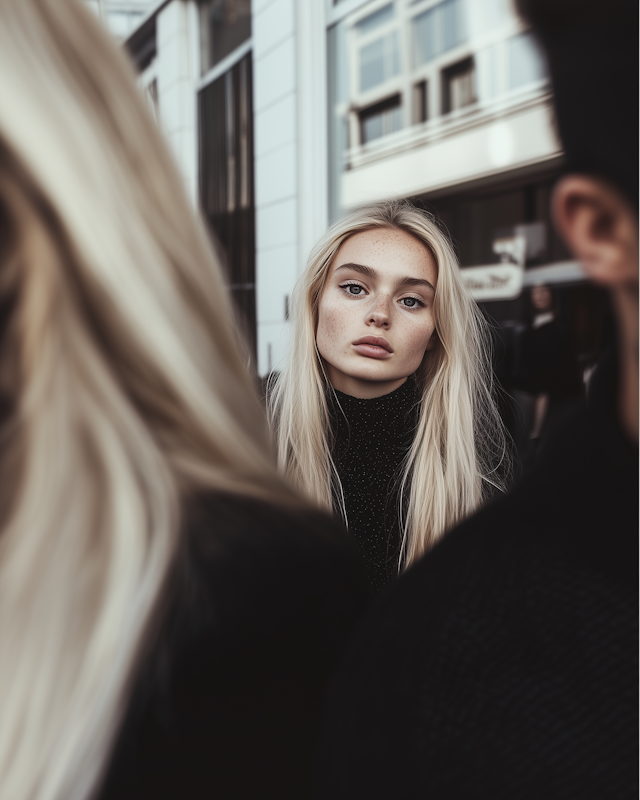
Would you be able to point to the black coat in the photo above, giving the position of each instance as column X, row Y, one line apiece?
column 504, row 664
column 226, row 702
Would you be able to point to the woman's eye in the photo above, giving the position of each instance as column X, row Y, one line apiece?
column 411, row 302
column 354, row 289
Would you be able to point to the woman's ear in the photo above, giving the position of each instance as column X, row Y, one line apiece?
column 599, row 227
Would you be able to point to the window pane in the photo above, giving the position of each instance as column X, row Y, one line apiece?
column 486, row 15
column 224, row 25
column 461, row 87
column 488, row 74
column 381, row 120
column 439, row 29
column 372, row 65
column 372, row 128
column 425, row 36
column 526, row 64
column 376, row 19
column 379, row 61
column 458, row 85
column 393, row 54
column 395, row 119
column 225, row 114
column 453, row 23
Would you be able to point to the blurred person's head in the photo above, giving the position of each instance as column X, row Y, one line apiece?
column 541, row 298
column 123, row 385
column 592, row 50
column 411, row 298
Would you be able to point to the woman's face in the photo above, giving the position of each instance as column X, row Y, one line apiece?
column 541, row 298
column 375, row 317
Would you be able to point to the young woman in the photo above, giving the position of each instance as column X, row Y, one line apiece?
column 384, row 410
column 169, row 610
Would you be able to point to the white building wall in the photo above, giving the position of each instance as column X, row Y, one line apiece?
column 507, row 127
column 514, row 137
column 177, row 74
column 289, row 84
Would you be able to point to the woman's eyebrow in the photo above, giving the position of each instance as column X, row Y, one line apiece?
column 368, row 271
column 416, row 282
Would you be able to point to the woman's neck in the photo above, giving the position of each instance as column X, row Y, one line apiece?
column 361, row 389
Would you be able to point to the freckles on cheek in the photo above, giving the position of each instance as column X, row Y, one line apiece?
column 419, row 344
column 331, row 326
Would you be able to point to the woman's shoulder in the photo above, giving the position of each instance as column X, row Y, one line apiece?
column 227, row 700
column 260, row 563
column 224, row 527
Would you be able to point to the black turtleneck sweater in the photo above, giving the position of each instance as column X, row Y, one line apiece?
column 372, row 439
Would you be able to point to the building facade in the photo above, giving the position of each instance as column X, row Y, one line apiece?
column 283, row 114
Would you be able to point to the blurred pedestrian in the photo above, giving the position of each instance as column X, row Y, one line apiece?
column 504, row 664
column 548, row 372
column 384, row 411
column 170, row 610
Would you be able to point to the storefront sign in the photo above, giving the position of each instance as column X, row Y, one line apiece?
column 494, row 281
column 501, row 281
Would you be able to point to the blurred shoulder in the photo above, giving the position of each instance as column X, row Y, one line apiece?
column 224, row 525
column 253, row 558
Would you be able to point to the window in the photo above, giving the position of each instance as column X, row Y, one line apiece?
column 379, row 61
column 458, row 86
column 226, row 180
column 378, row 48
column 488, row 72
column 224, row 25
column 420, row 104
column 438, row 30
column 526, row 64
column 376, row 20
column 380, row 120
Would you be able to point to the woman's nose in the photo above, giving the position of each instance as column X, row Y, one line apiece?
column 379, row 316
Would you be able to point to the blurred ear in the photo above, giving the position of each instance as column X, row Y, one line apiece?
column 599, row 227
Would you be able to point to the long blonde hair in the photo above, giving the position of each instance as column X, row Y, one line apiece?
column 122, row 390
column 459, row 455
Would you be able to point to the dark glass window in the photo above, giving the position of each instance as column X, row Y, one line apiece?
column 226, row 180
column 420, row 103
column 381, row 119
column 141, row 45
column 458, row 86
column 224, row 25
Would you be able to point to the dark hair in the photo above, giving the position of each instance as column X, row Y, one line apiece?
column 592, row 50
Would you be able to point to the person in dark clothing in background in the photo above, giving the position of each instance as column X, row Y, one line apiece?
column 384, row 411
column 504, row 664
column 171, row 609
column 547, row 370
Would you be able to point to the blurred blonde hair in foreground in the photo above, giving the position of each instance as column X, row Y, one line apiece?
column 123, row 389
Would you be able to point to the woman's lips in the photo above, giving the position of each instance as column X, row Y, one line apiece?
column 373, row 347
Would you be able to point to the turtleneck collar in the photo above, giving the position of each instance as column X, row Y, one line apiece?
column 388, row 416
